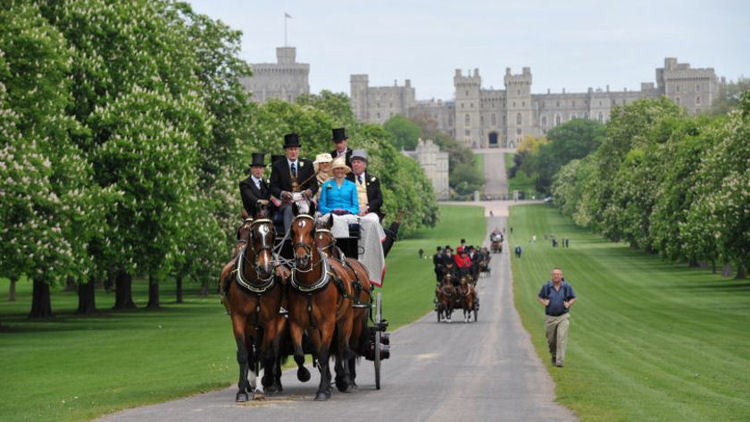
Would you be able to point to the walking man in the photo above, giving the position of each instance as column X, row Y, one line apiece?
column 557, row 296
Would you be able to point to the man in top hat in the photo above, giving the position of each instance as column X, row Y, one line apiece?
column 342, row 148
column 254, row 190
column 292, row 175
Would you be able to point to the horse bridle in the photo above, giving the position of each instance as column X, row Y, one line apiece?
column 307, row 247
column 263, row 247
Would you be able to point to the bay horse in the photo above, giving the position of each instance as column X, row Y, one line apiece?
column 466, row 296
column 326, row 242
column 320, row 303
column 253, row 294
column 446, row 293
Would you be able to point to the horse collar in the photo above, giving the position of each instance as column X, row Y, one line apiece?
column 318, row 285
column 255, row 289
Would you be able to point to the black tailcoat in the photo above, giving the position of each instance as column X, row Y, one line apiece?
column 374, row 195
column 281, row 178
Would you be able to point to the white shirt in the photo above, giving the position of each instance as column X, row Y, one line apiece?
column 257, row 182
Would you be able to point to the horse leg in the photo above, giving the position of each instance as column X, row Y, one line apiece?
column 323, row 345
column 238, row 324
column 299, row 355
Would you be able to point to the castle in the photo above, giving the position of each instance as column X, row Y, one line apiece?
column 284, row 80
column 485, row 118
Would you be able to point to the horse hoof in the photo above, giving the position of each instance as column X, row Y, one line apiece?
column 322, row 396
column 303, row 374
column 241, row 397
column 259, row 395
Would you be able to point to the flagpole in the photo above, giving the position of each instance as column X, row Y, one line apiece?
column 285, row 43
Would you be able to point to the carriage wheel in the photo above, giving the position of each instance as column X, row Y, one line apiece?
column 476, row 312
column 378, row 319
column 438, row 315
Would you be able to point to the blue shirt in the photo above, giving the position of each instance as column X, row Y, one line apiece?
column 333, row 197
column 556, row 298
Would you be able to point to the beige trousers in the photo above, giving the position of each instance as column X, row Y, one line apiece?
column 556, row 328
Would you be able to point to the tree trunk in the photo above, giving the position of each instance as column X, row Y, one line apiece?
column 70, row 285
column 86, row 298
column 741, row 273
column 204, row 288
column 124, row 291
column 179, row 288
column 153, row 292
column 12, row 292
column 41, row 307
column 713, row 266
column 693, row 263
column 727, row 271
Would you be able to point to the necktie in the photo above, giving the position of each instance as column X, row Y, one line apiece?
column 294, row 169
column 360, row 179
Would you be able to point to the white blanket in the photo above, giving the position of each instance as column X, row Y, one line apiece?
column 370, row 241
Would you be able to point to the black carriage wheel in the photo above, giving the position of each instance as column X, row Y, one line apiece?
column 378, row 319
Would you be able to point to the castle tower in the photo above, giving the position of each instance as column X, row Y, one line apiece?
column 519, row 117
column 467, row 121
column 358, row 85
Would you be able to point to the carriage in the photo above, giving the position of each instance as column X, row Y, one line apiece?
column 275, row 311
column 452, row 293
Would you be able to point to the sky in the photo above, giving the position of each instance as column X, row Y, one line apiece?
column 571, row 44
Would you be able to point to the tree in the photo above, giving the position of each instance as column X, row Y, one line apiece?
column 335, row 105
column 722, row 194
column 404, row 132
column 729, row 95
column 136, row 90
column 48, row 223
column 572, row 140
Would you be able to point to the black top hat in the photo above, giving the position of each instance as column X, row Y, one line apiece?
column 291, row 140
column 258, row 159
column 339, row 134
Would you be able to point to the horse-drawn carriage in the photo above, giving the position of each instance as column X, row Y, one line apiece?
column 303, row 293
column 496, row 243
column 456, row 292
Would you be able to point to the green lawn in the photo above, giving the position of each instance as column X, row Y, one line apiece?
column 521, row 182
column 649, row 340
column 479, row 164
column 74, row 368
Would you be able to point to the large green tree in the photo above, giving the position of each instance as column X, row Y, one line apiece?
column 51, row 207
column 405, row 133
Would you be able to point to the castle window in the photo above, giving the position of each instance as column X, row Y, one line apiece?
column 544, row 120
column 601, row 117
column 514, row 103
column 390, row 105
column 481, row 120
column 462, row 105
column 558, row 119
column 378, row 115
column 519, row 92
column 677, row 88
column 697, row 100
column 467, row 132
column 697, row 88
column 600, row 102
column 573, row 103
column 677, row 100
column 518, row 131
column 519, row 119
column 557, row 104
column 494, row 119
column 472, row 105
column 523, row 104
column 467, row 93
column 467, row 119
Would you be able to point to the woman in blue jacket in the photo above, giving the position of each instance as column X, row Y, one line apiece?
column 338, row 195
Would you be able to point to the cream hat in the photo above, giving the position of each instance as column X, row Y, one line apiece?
column 321, row 158
column 340, row 163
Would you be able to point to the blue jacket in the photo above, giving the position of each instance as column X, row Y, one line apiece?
column 333, row 197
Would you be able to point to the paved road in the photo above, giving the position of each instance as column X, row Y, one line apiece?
column 483, row 371
column 495, row 175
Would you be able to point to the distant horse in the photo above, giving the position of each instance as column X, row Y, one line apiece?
column 325, row 241
column 253, row 294
column 446, row 294
column 320, row 302
column 466, row 296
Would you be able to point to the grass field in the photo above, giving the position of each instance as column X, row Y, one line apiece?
column 649, row 340
column 76, row 368
column 479, row 164
column 521, row 182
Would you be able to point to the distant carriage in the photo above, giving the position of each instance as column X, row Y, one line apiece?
column 456, row 293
